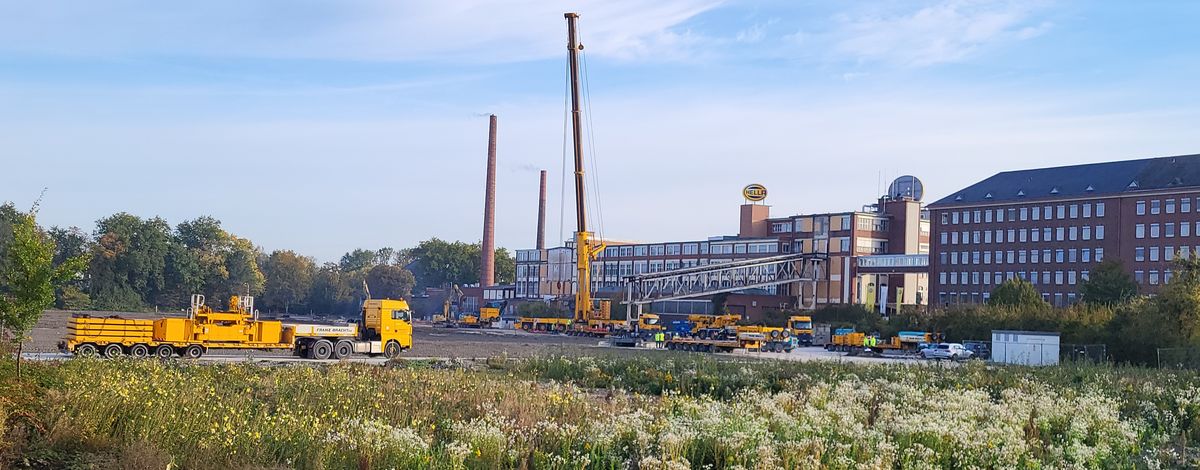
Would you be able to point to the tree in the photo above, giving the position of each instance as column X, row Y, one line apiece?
column 505, row 268
column 29, row 278
column 1016, row 292
column 390, row 282
column 437, row 263
column 358, row 259
column 71, row 243
column 128, row 263
column 289, row 279
column 1109, row 284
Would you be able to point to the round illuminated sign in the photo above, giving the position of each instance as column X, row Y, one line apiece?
column 754, row 192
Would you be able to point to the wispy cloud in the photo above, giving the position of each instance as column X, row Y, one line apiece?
column 949, row 31
column 475, row 31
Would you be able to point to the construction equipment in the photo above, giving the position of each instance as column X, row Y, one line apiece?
column 385, row 328
column 801, row 327
column 648, row 325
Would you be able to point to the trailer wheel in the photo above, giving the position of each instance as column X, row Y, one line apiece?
column 139, row 351
column 343, row 349
column 86, row 350
column 193, row 351
column 113, row 350
column 164, row 351
column 322, row 349
column 391, row 350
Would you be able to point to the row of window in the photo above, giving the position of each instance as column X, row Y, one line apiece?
column 1048, row 234
column 1165, row 230
column 676, row 249
column 976, row 278
column 1060, row 255
column 975, row 298
column 1140, row 277
column 1013, row 214
column 1169, row 253
column 1158, row 206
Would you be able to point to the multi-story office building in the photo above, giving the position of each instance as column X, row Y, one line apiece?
column 877, row 256
column 1051, row 226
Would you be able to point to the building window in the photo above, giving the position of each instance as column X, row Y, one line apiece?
column 1183, row 252
column 1139, row 230
column 1012, row 214
column 1046, row 277
column 1024, row 235
column 1140, row 208
column 1185, row 205
column 1170, row 229
column 1184, row 229
column 1074, row 211
column 1071, row 277
column 1035, row 234
column 1099, row 254
column 740, row 248
column 987, row 235
column 1059, row 232
column 657, row 250
column 1155, row 230
column 1155, row 206
column 975, row 257
column 673, row 249
column 1099, row 232
column 1087, row 210
column 975, row 237
column 1072, row 255
column 691, row 248
column 942, row 278
column 1058, row 255
column 1024, row 214
column 1037, row 212
column 1058, row 278
column 987, row 278
column 987, row 257
column 1062, row 211
column 1010, row 257
column 1139, row 277
column 1047, row 234
column 999, row 236
column 1033, row 256
column 1022, row 257
column 1139, row 253
column 945, row 238
column 977, row 216
column 1170, row 206
column 1046, row 256
column 1087, row 232
column 1087, row 255
column 965, row 260
column 1168, row 253
column 1154, row 277
column 999, row 215
column 1012, row 235
column 1154, row 253
column 1073, row 233
column 1167, row 276
column 845, row 245
column 1099, row 209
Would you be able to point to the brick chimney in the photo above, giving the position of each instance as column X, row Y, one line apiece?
column 487, row 262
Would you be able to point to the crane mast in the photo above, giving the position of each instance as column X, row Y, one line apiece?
column 585, row 251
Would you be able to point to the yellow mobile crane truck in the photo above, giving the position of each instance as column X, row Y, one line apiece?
column 385, row 328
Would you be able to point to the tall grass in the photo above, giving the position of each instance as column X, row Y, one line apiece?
column 669, row 411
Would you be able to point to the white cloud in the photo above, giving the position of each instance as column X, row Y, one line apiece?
column 474, row 31
column 946, row 32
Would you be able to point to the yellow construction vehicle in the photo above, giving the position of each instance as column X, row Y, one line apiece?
column 801, row 327
column 385, row 328
column 648, row 325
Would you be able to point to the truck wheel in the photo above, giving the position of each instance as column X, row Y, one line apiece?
column 113, row 350
column 193, row 351
column 343, row 349
column 86, row 350
column 322, row 349
column 164, row 351
column 139, row 351
column 391, row 350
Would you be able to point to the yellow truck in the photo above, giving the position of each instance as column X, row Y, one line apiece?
column 385, row 329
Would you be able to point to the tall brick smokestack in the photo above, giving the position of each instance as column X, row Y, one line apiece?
column 487, row 275
column 541, row 236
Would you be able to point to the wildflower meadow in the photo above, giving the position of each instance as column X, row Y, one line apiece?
column 651, row 412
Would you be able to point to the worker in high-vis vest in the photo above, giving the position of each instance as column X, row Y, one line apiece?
column 660, row 338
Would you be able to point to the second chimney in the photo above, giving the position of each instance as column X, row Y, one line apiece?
column 541, row 234
column 487, row 259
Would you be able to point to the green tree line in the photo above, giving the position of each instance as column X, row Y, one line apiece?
column 1132, row 327
column 135, row 263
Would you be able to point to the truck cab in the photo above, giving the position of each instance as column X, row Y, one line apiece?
column 802, row 329
column 387, row 326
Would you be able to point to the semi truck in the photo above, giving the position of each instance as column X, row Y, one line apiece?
column 385, row 328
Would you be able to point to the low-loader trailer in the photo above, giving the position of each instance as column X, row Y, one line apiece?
column 385, row 329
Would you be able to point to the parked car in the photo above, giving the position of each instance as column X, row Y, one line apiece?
column 951, row 351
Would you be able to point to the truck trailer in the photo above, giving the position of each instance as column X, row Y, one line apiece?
column 385, row 329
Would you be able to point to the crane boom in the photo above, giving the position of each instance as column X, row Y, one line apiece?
column 585, row 251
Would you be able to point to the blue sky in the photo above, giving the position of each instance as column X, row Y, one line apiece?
column 326, row 126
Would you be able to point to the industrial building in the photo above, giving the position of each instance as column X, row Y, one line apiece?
column 876, row 256
column 1051, row 226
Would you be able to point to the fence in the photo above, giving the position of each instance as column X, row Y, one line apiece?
column 1179, row 358
column 1068, row 352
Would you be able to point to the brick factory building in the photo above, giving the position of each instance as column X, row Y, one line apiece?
column 1051, row 226
column 877, row 256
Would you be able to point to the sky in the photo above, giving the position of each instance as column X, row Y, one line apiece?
column 326, row 126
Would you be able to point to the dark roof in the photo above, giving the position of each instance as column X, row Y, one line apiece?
column 1093, row 179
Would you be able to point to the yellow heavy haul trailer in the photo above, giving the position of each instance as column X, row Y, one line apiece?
column 385, row 328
